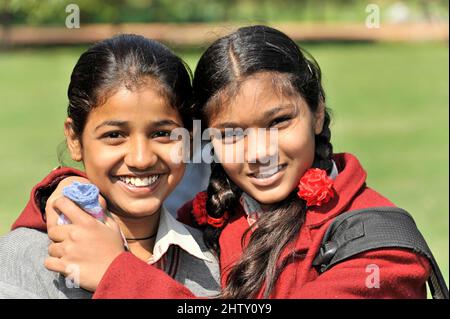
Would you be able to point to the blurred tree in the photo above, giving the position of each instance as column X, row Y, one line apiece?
column 36, row 12
column 5, row 14
column 47, row 12
column 428, row 8
column 5, row 22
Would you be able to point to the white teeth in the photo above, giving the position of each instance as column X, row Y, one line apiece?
column 268, row 173
column 263, row 175
column 139, row 181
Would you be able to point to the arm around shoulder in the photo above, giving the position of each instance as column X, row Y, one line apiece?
column 128, row 277
column 33, row 215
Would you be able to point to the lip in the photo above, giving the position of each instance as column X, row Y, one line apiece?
column 270, row 180
column 139, row 190
column 266, row 170
column 139, row 175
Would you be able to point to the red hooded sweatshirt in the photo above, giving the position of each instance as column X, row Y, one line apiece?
column 402, row 273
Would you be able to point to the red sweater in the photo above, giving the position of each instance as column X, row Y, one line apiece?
column 402, row 273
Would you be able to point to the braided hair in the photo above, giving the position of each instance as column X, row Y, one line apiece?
column 225, row 64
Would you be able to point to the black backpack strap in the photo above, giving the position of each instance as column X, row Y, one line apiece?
column 361, row 230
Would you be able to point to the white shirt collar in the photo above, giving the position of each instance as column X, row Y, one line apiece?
column 334, row 171
column 172, row 232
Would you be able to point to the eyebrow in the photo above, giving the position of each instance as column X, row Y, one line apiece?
column 276, row 110
column 166, row 123
column 111, row 123
column 160, row 123
column 228, row 125
column 268, row 114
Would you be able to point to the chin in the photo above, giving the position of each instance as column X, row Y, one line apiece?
column 268, row 198
column 140, row 210
column 140, row 213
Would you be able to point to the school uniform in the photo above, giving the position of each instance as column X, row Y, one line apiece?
column 401, row 273
column 179, row 252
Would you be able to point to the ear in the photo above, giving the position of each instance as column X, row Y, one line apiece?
column 319, row 116
column 73, row 141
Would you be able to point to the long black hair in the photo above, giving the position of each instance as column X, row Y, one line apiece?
column 126, row 60
column 225, row 64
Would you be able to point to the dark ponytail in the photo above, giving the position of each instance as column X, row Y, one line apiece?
column 220, row 70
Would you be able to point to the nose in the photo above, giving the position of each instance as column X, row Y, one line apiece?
column 140, row 154
column 262, row 146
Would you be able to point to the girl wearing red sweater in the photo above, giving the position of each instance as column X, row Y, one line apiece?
column 266, row 221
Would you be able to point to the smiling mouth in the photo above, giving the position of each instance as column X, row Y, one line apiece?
column 135, row 181
column 267, row 173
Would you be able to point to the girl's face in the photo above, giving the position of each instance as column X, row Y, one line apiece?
column 125, row 148
column 259, row 105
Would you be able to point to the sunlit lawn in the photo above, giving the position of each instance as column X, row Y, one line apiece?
column 390, row 104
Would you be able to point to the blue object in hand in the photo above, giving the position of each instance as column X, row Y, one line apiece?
column 85, row 196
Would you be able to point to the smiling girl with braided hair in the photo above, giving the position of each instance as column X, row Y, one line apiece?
column 266, row 221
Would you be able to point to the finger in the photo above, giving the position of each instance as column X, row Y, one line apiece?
column 56, row 250
column 72, row 211
column 55, row 264
column 59, row 233
column 51, row 214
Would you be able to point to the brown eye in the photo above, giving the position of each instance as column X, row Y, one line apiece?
column 114, row 135
column 161, row 134
column 280, row 120
column 232, row 136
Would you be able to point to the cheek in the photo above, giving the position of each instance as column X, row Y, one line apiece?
column 173, row 161
column 233, row 170
column 229, row 153
column 230, row 156
column 299, row 146
column 100, row 159
column 179, row 151
column 177, row 172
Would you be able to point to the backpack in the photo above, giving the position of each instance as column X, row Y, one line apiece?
column 361, row 230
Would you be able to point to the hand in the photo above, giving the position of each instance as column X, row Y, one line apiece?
column 50, row 213
column 83, row 250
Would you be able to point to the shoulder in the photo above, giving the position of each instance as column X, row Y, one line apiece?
column 24, row 243
column 23, row 253
column 383, row 241
column 22, row 270
column 368, row 198
column 351, row 184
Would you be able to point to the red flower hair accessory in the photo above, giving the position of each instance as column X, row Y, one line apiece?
column 315, row 187
column 200, row 214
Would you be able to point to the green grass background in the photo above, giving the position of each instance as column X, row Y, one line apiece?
column 390, row 105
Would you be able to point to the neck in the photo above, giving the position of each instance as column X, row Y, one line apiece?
column 139, row 227
column 266, row 207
